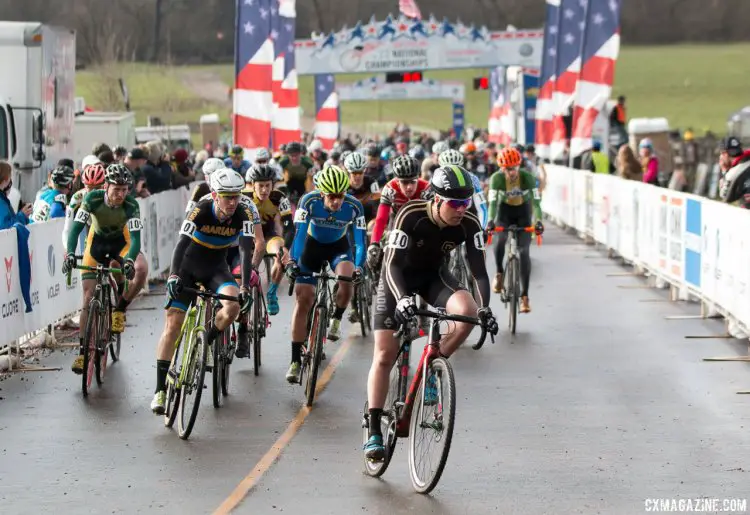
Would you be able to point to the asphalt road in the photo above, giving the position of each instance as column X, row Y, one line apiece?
column 597, row 404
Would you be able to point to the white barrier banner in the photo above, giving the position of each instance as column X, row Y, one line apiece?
column 12, row 306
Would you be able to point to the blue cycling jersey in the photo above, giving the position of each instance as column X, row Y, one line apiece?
column 50, row 204
column 313, row 219
column 242, row 169
column 480, row 202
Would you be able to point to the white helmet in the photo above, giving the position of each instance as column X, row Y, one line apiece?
column 227, row 180
column 89, row 160
column 262, row 154
column 315, row 145
column 211, row 165
column 355, row 162
column 451, row 157
column 439, row 147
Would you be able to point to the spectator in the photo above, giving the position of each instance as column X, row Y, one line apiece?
column 8, row 215
column 599, row 160
column 649, row 162
column 628, row 166
column 736, row 183
column 618, row 119
column 200, row 158
column 99, row 148
column 182, row 175
column 158, row 176
column 106, row 157
column 135, row 161
column 120, row 154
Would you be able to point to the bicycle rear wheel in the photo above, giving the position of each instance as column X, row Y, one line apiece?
column 362, row 309
column 432, row 424
column 222, row 341
column 513, row 291
column 192, row 386
column 388, row 422
column 90, row 339
column 228, row 357
column 258, row 318
column 317, row 333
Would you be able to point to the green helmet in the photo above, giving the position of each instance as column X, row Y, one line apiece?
column 333, row 180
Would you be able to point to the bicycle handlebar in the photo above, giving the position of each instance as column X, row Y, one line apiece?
column 517, row 229
column 210, row 294
column 320, row 275
column 106, row 269
column 444, row 317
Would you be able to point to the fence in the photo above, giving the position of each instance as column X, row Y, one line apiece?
column 51, row 299
column 698, row 245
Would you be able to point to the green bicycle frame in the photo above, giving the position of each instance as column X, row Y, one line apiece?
column 193, row 323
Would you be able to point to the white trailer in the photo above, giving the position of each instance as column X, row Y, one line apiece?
column 114, row 129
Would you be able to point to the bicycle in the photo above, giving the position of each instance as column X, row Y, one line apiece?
column 97, row 334
column 317, row 322
column 399, row 420
column 511, row 293
column 363, row 301
column 258, row 323
column 187, row 371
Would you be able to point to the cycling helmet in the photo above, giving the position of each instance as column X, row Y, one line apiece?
column 333, row 180
column 386, row 154
column 93, row 175
column 294, row 148
column 519, row 147
column 62, row 175
column 315, row 179
column 405, row 167
column 211, row 165
column 260, row 173
column 262, row 154
column 440, row 147
column 227, row 181
column 89, row 160
column 118, row 174
column 646, row 143
column 509, row 157
column 335, row 155
column 468, row 148
column 372, row 151
column 315, row 145
column 355, row 162
column 237, row 150
column 417, row 152
column 344, row 155
column 452, row 182
column 451, row 157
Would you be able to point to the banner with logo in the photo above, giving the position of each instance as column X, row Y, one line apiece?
column 11, row 302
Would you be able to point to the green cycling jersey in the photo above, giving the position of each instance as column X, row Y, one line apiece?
column 514, row 192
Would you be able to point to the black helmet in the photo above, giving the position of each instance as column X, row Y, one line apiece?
column 62, row 175
column 519, row 147
column 237, row 150
column 452, row 182
column 405, row 167
column 260, row 173
column 372, row 151
column 118, row 174
column 294, row 148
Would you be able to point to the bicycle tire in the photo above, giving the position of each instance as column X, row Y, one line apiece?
column 114, row 346
column 427, row 484
column 89, row 353
column 228, row 357
column 173, row 393
column 319, row 327
column 218, row 369
column 102, row 342
column 361, row 309
column 197, row 359
column 258, row 319
column 387, row 424
column 514, row 287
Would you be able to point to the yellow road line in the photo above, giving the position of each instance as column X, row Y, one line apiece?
column 268, row 459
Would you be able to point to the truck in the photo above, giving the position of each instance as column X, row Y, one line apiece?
column 114, row 129
column 37, row 91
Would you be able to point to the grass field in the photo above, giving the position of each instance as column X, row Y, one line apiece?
column 691, row 85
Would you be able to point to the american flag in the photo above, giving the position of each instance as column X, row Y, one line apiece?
column 328, row 116
column 285, row 122
column 409, row 8
column 499, row 107
column 601, row 46
column 567, row 68
column 544, row 106
column 253, row 103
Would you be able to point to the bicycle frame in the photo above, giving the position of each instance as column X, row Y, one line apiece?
column 194, row 322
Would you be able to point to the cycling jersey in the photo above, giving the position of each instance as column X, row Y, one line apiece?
column 368, row 194
column 242, row 169
column 313, row 220
column 199, row 192
column 391, row 199
column 517, row 192
column 49, row 204
column 416, row 253
column 479, row 202
column 297, row 177
column 75, row 202
column 275, row 205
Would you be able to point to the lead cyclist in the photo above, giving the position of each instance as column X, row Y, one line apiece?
column 479, row 202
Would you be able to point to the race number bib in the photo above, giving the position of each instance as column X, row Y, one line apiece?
column 398, row 239
column 248, row 228
column 361, row 223
column 83, row 216
column 284, row 206
column 134, row 225
column 300, row 216
column 188, row 228
column 479, row 240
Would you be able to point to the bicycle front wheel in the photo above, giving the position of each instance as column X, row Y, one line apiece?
column 192, row 385
column 173, row 385
column 104, row 341
column 222, row 341
column 362, row 309
column 513, row 289
column 431, row 426
column 317, row 332
column 258, row 318
column 90, row 341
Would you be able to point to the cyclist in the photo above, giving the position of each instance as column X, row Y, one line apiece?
column 92, row 178
column 515, row 190
column 276, row 219
column 375, row 168
column 430, row 164
column 479, row 203
column 115, row 232
column 362, row 187
column 322, row 222
column 201, row 190
column 51, row 202
column 236, row 160
column 200, row 256
column 423, row 235
column 405, row 186
column 297, row 171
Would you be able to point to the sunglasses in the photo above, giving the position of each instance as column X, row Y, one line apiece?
column 335, row 196
column 261, row 161
column 361, row 172
column 229, row 195
column 458, row 204
column 407, row 182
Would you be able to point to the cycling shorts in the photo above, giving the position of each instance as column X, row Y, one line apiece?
column 100, row 250
column 314, row 253
column 219, row 279
column 510, row 215
column 435, row 287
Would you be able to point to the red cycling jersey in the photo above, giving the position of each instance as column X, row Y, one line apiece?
column 392, row 197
